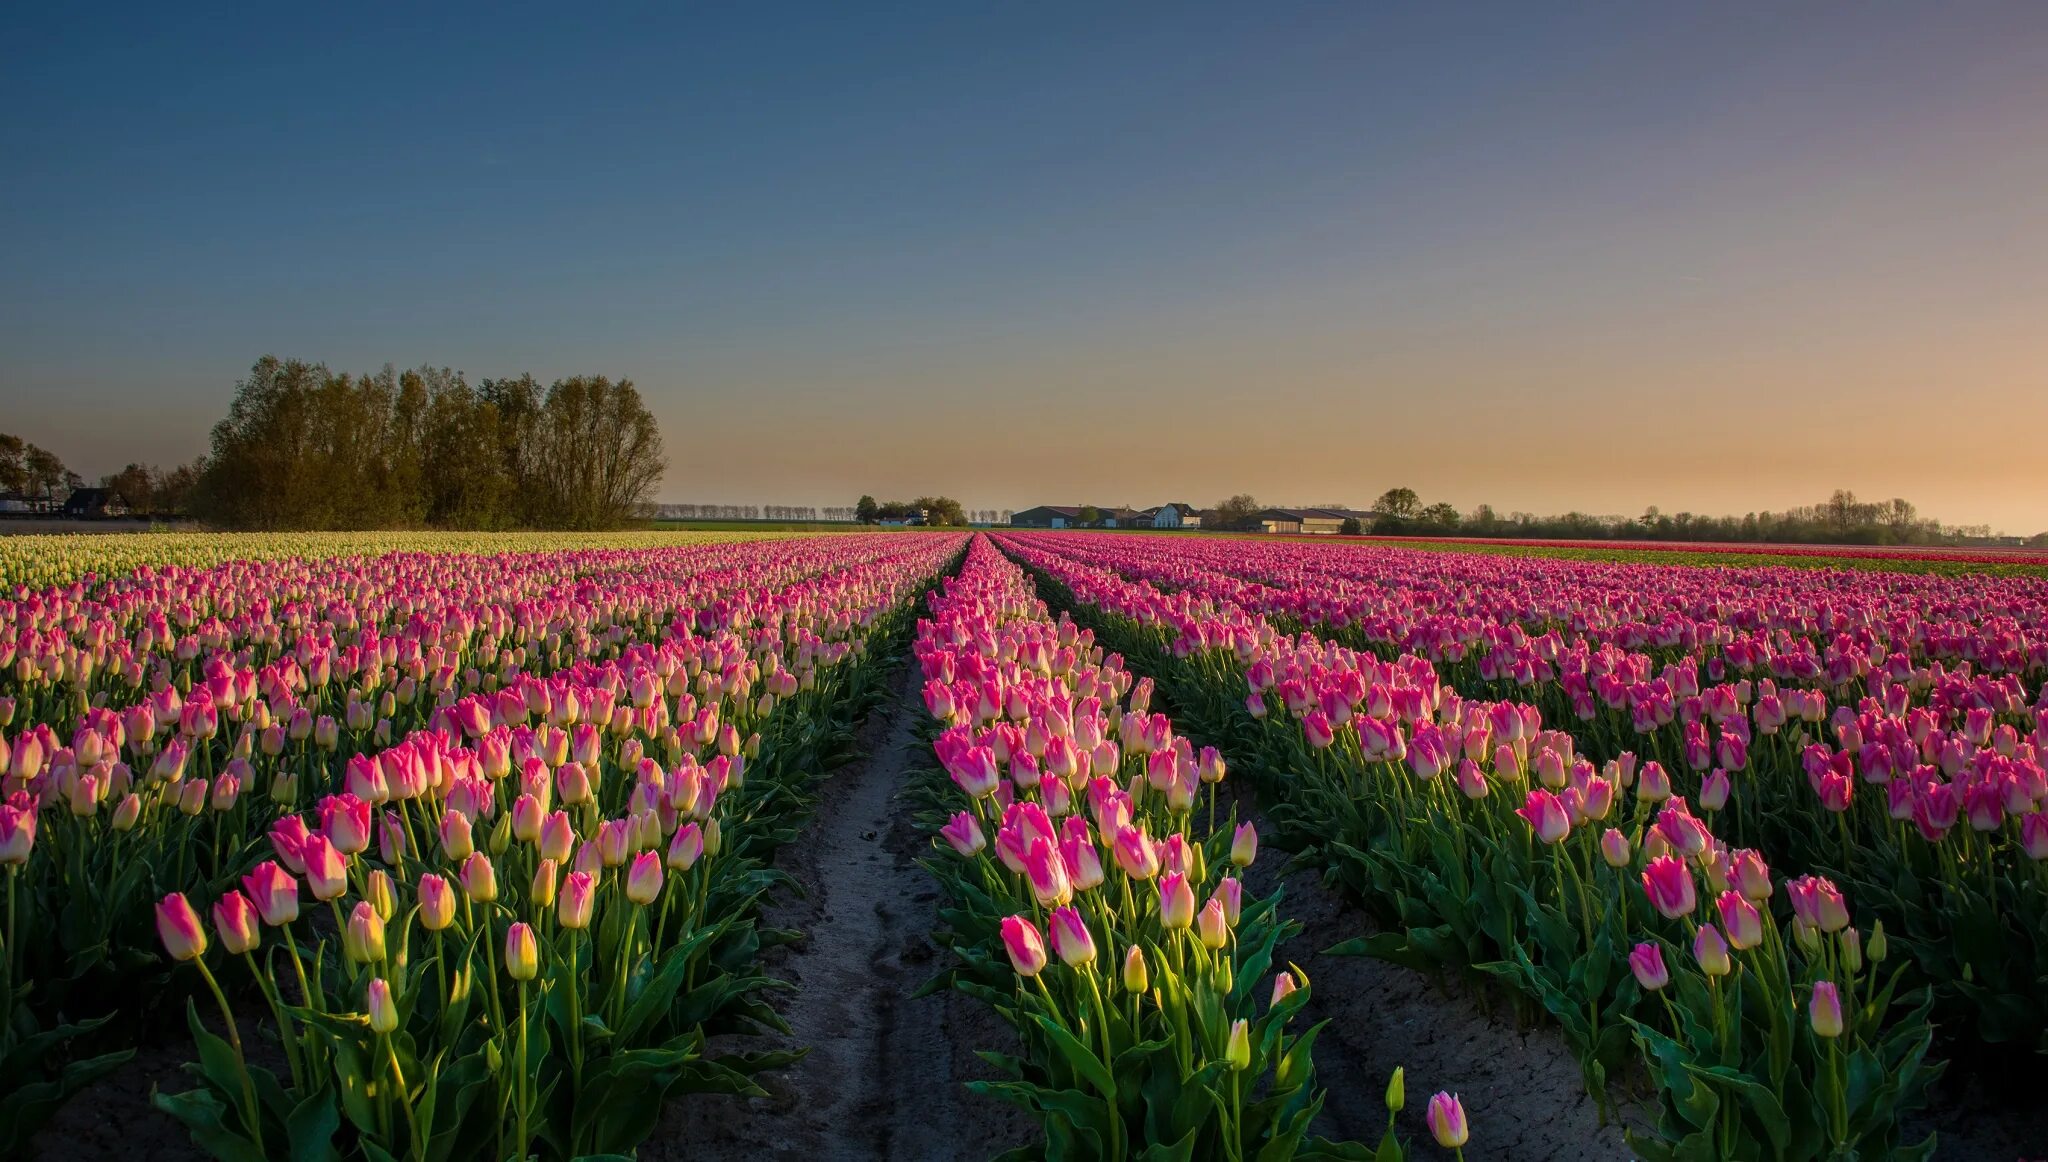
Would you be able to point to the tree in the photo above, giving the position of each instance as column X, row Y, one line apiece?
column 1088, row 516
column 13, row 463
column 1399, row 503
column 866, row 511
column 941, row 510
column 1440, row 515
column 1239, row 513
column 1350, row 527
column 135, row 485
column 599, row 453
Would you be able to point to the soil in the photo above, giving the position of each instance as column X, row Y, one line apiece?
column 884, row 1078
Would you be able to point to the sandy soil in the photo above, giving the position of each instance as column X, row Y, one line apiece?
column 885, row 1075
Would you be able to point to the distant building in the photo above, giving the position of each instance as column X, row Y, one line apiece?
column 91, row 503
column 1323, row 521
column 1174, row 516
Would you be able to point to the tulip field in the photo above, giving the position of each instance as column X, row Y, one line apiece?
column 408, row 846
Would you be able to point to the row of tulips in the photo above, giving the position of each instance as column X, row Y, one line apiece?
column 1886, row 731
column 1097, row 902
column 625, row 689
column 32, row 563
column 1769, row 1024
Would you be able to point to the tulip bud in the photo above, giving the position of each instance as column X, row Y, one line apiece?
column 522, row 952
column 383, row 1011
column 541, row 891
column 1397, row 1090
column 1284, row 986
column 1711, row 951
column 1852, row 950
column 1879, row 946
column 1446, row 1118
column 644, row 878
column 1176, row 902
column 1825, row 1010
column 1238, row 1050
column 1244, row 845
column 380, row 895
column 130, row 810
column 1212, row 927
column 437, row 903
column 577, row 897
column 362, row 937
column 479, row 878
column 1136, row 978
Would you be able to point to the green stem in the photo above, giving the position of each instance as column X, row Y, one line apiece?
column 252, row 1116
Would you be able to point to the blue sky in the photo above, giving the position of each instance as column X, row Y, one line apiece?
column 1716, row 257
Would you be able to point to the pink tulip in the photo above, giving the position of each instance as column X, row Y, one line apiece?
column 479, row 878
column 1026, row 948
column 1646, row 960
column 963, row 833
column 1744, row 923
column 1546, row 816
column 1176, row 902
column 326, row 868
column 17, row 834
column 1244, row 845
column 1668, row 883
column 274, row 893
column 578, row 896
column 1071, row 940
column 234, row 917
column 644, row 879
column 1446, row 1119
column 177, row 925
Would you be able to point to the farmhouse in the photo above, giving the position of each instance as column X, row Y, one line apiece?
column 1173, row 516
column 1312, row 520
column 92, row 503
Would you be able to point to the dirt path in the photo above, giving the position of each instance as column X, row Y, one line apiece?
column 885, row 1075
column 1521, row 1089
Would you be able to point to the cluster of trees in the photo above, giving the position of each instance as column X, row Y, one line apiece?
column 304, row 447
column 1841, row 519
column 39, row 476
column 33, row 472
column 932, row 510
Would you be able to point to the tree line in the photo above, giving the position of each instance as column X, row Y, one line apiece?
column 931, row 510
column 1842, row 519
column 303, row 447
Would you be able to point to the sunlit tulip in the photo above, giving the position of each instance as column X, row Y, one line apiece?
column 362, row 938
column 522, row 953
column 1244, row 845
column 1176, row 901
column 437, row 903
column 1024, row 944
column 1071, row 940
column 479, row 878
column 1237, row 1048
column 577, row 898
column 234, row 917
column 326, row 868
column 1136, row 977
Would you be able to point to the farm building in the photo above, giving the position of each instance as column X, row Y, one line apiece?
column 1312, row 520
column 1068, row 516
column 1173, row 516
column 90, row 503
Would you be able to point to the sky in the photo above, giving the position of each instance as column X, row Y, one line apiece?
column 1716, row 258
